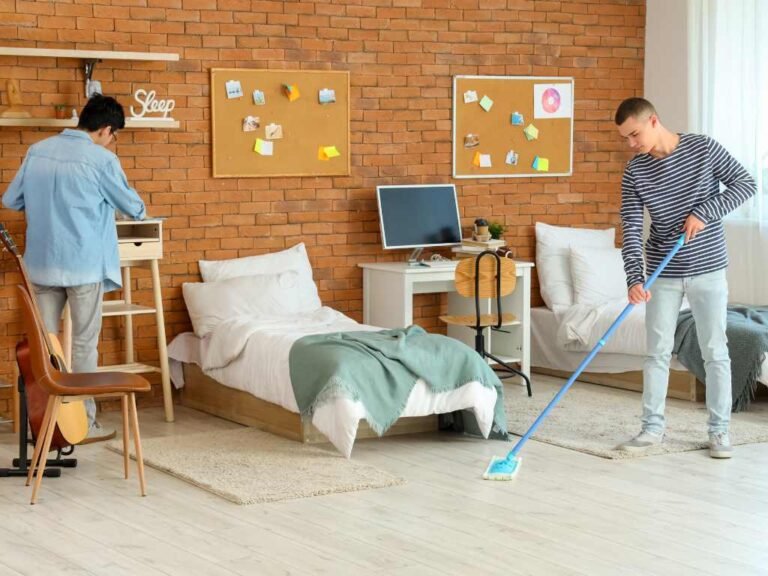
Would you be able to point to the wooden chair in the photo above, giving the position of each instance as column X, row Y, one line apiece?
column 71, row 386
column 487, row 276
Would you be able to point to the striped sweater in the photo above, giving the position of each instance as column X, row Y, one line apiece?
column 685, row 182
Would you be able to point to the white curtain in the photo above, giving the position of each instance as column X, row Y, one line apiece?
column 728, row 84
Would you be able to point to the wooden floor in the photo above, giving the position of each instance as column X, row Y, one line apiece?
column 565, row 513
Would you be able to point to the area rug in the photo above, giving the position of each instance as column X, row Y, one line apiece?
column 595, row 419
column 248, row 466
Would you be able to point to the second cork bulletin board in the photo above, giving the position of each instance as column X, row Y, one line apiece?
column 307, row 126
column 491, row 129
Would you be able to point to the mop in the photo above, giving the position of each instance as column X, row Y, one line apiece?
column 507, row 468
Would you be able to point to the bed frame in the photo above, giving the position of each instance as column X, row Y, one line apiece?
column 682, row 384
column 203, row 393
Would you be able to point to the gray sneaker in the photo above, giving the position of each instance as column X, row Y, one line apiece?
column 720, row 445
column 642, row 442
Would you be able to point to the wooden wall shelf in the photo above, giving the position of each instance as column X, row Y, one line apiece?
column 87, row 54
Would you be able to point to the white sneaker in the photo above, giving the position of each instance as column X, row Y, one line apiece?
column 720, row 445
column 642, row 442
column 97, row 433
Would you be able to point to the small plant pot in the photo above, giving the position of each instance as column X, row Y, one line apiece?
column 60, row 112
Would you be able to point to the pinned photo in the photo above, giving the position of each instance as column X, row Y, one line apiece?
column 516, row 119
column 234, row 90
column 326, row 96
column 471, row 140
column 273, row 131
column 251, row 123
column 512, row 158
column 470, row 96
column 258, row 98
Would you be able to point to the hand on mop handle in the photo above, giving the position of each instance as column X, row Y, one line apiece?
column 507, row 468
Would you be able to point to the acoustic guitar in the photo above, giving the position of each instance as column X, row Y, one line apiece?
column 72, row 421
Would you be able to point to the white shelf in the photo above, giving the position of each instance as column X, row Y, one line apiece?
column 72, row 123
column 88, row 54
column 133, row 368
column 120, row 308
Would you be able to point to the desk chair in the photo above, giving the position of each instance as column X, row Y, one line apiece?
column 71, row 386
column 487, row 276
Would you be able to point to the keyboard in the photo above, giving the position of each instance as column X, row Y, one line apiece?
column 441, row 263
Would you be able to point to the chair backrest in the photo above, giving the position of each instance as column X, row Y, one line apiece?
column 490, row 267
column 40, row 361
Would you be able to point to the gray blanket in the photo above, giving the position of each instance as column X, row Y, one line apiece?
column 747, row 333
column 381, row 368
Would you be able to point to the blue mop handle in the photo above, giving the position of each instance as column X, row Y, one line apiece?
column 595, row 350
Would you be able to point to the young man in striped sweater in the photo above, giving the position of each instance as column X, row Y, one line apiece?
column 677, row 178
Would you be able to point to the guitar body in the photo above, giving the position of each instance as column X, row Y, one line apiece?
column 72, row 422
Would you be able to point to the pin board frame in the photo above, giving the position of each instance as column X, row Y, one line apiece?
column 497, row 135
column 307, row 124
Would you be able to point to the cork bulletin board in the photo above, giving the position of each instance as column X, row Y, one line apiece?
column 279, row 123
column 508, row 126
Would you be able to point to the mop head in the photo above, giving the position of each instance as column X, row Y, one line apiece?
column 502, row 468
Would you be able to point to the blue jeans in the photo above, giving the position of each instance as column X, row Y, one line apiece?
column 708, row 297
column 85, row 311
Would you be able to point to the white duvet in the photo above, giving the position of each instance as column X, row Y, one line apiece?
column 251, row 354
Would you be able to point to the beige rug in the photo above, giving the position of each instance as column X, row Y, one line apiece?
column 595, row 419
column 247, row 466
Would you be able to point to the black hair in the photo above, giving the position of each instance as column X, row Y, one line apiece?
column 101, row 111
column 633, row 107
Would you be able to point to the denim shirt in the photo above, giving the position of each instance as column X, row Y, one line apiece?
column 70, row 187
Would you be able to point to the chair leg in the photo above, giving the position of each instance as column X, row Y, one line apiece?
column 40, row 440
column 126, row 436
column 46, row 447
column 512, row 369
column 137, row 443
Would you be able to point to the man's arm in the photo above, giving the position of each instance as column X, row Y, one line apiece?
column 117, row 192
column 632, row 227
column 739, row 185
column 14, row 195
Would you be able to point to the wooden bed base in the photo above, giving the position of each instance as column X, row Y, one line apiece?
column 682, row 385
column 203, row 393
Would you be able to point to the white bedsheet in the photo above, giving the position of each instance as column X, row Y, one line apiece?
column 253, row 356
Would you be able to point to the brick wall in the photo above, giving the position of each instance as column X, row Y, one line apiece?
column 402, row 55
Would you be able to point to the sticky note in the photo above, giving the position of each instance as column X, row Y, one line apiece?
column 485, row 160
column 263, row 147
column 291, row 91
column 470, row 96
column 327, row 152
column 516, row 119
column 326, row 96
column 541, row 164
column 476, row 159
column 486, row 103
column 531, row 132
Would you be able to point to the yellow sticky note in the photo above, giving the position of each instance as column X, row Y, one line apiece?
column 263, row 147
column 327, row 152
column 476, row 159
column 292, row 91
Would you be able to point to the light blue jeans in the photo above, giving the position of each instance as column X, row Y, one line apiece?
column 708, row 297
column 85, row 311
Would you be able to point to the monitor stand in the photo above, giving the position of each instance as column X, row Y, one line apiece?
column 413, row 258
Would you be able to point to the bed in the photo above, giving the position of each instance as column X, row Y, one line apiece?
column 582, row 282
column 236, row 363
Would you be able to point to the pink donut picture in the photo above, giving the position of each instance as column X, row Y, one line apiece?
column 550, row 100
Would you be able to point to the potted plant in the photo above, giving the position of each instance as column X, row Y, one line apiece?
column 496, row 229
column 61, row 111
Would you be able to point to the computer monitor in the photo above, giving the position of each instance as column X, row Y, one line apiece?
column 418, row 216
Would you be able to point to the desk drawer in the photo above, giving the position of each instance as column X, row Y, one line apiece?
column 146, row 250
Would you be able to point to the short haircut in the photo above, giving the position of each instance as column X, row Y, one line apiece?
column 633, row 108
column 101, row 111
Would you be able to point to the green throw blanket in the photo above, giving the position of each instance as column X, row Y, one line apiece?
column 747, row 333
column 381, row 368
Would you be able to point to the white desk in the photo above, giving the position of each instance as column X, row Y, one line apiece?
column 388, row 289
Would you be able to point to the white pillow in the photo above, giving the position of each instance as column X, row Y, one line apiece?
column 598, row 275
column 553, row 245
column 294, row 258
column 210, row 303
